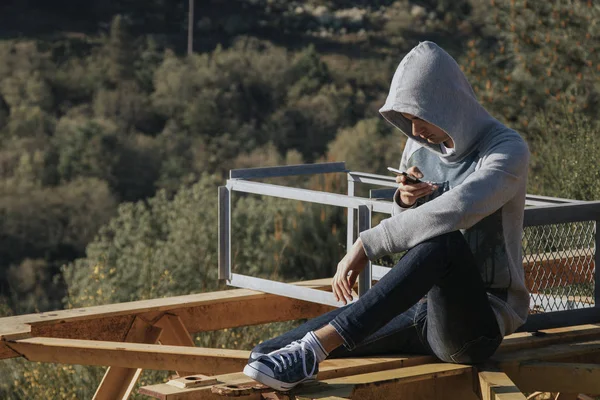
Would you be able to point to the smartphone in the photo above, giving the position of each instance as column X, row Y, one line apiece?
column 409, row 178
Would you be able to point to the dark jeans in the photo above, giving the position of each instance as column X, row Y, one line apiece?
column 454, row 322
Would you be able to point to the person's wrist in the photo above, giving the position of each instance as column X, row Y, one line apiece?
column 360, row 249
column 405, row 203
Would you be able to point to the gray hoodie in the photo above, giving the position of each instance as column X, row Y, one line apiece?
column 482, row 184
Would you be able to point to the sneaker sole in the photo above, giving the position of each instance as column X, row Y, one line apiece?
column 265, row 379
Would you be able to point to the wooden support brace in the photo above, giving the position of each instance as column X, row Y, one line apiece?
column 118, row 382
column 496, row 385
column 174, row 333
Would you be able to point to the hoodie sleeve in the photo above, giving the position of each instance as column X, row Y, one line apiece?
column 502, row 173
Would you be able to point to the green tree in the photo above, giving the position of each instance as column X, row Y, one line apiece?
column 566, row 159
column 371, row 145
column 120, row 52
column 49, row 226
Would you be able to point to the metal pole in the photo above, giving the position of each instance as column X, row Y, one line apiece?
column 224, row 232
column 364, row 223
column 597, row 264
column 191, row 28
column 350, row 223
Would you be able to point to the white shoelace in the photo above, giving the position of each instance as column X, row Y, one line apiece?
column 289, row 351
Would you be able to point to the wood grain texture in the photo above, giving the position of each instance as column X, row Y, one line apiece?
column 329, row 370
column 198, row 313
column 496, row 385
column 557, row 377
column 118, row 382
column 131, row 355
column 174, row 333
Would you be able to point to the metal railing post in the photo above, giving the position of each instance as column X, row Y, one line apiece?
column 597, row 263
column 364, row 223
column 224, row 232
column 350, row 222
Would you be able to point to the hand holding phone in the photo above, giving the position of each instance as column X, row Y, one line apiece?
column 409, row 178
column 412, row 188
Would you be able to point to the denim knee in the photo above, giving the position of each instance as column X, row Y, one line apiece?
column 475, row 351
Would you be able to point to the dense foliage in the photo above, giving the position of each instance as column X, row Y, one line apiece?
column 113, row 142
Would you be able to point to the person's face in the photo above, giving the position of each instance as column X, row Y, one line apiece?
column 428, row 131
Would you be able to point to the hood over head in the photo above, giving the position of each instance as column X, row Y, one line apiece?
column 429, row 84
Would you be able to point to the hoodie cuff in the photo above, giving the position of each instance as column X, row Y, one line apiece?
column 397, row 208
column 375, row 242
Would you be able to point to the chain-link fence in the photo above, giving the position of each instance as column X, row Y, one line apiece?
column 559, row 265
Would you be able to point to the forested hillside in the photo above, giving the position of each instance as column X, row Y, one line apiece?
column 113, row 140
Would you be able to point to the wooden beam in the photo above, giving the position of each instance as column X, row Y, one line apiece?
column 167, row 304
column 441, row 381
column 496, row 385
column 7, row 352
column 562, row 352
column 329, row 369
column 12, row 330
column 394, row 383
column 406, row 374
column 118, row 382
column 444, row 388
column 198, row 312
column 527, row 340
column 131, row 355
column 557, row 377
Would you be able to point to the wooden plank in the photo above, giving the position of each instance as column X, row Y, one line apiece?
column 551, row 352
column 131, row 355
column 247, row 312
column 557, row 377
column 426, row 384
column 406, row 374
column 154, row 305
column 244, row 311
column 329, row 369
column 198, row 312
column 496, row 385
column 444, row 388
column 107, row 329
column 386, row 384
column 334, row 368
column 118, row 382
column 193, row 381
column 526, row 340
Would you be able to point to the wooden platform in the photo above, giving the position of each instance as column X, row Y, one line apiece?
column 155, row 334
column 558, row 360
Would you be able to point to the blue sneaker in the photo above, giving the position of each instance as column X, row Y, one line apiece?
column 285, row 368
